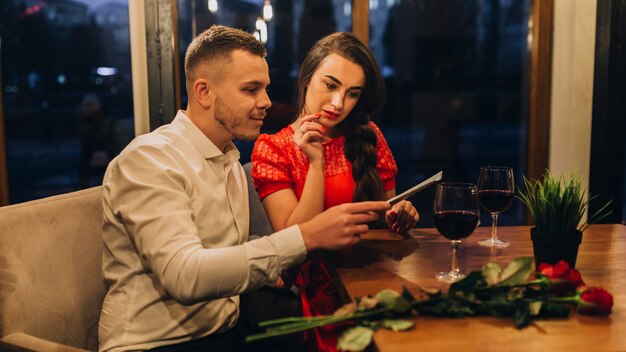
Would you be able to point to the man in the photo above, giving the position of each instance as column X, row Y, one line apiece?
column 176, row 218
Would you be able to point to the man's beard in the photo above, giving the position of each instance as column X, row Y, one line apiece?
column 235, row 125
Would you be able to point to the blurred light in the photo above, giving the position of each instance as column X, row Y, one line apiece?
column 268, row 13
column 212, row 6
column 99, row 81
column 259, row 23
column 29, row 11
column 61, row 79
column 529, row 36
column 106, row 71
column 257, row 35
column 390, row 3
column 10, row 89
column 347, row 9
column 373, row 4
column 261, row 27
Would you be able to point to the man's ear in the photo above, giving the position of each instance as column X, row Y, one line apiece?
column 203, row 92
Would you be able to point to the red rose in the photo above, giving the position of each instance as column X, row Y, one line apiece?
column 594, row 300
column 562, row 277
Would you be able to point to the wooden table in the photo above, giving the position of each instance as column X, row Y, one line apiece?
column 386, row 260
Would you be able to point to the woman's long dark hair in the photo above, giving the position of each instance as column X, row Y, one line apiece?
column 360, row 145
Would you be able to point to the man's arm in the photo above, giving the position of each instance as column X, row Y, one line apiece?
column 149, row 200
column 155, row 211
column 340, row 226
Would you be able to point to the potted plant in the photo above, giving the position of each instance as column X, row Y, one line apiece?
column 557, row 206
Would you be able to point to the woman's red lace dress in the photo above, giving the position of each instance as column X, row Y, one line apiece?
column 278, row 164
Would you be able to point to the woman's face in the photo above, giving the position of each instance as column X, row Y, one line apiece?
column 334, row 90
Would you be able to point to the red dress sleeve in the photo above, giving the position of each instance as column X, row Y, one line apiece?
column 270, row 165
column 386, row 166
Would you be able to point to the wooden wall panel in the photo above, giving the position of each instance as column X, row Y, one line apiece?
column 542, row 25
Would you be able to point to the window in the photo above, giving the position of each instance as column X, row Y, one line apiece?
column 456, row 75
column 67, row 92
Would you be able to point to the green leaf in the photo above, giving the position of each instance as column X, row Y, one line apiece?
column 367, row 302
column 447, row 307
column 355, row 339
column 535, row 307
column 397, row 325
column 468, row 284
column 491, row 273
column 391, row 299
column 348, row 308
column 408, row 295
column 500, row 308
column 554, row 310
column 517, row 271
column 515, row 293
column 386, row 296
column 522, row 315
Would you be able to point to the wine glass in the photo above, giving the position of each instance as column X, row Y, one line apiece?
column 456, row 213
column 495, row 190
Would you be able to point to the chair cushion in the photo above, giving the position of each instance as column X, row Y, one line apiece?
column 259, row 223
column 51, row 283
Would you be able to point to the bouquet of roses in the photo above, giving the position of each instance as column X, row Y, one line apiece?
column 509, row 292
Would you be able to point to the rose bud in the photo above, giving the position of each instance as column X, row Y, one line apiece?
column 562, row 277
column 594, row 300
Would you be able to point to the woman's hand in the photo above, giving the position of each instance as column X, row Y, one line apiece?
column 308, row 137
column 402, row 217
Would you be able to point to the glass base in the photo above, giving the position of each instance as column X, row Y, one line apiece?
column 494, row 242
column 450, row 277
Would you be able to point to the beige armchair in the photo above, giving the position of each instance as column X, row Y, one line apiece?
column 51, row 287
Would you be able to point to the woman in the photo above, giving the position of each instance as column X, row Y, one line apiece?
column 331, row 154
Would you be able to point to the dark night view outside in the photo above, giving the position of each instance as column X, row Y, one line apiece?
column 456, row 74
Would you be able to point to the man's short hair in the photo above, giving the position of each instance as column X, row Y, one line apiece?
column 214, row 46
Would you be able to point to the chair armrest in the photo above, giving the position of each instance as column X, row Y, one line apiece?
column 20, row 342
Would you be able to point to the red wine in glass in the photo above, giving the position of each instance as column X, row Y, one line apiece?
column 495, row 200
column 456, row 224
column 495, row 189
column 456, row 213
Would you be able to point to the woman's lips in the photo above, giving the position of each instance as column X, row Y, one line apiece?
column 331, row 115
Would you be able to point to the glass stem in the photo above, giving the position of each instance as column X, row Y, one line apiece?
column 455, row 265
column 494, row 226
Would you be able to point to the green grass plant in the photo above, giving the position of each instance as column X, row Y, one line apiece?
column 557, row 204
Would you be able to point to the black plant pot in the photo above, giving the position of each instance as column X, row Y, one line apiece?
column 552, row 249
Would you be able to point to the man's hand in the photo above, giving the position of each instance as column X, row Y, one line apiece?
column 340, row 226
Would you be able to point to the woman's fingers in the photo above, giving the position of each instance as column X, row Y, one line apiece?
column 411, row 219
column 308, row 118
column 312, row 127
column 402, row 217
column 390, row 216
column 308, row 130
column 310, row 123
column 308, row 135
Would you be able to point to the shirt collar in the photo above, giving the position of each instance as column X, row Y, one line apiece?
column 201, row 142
